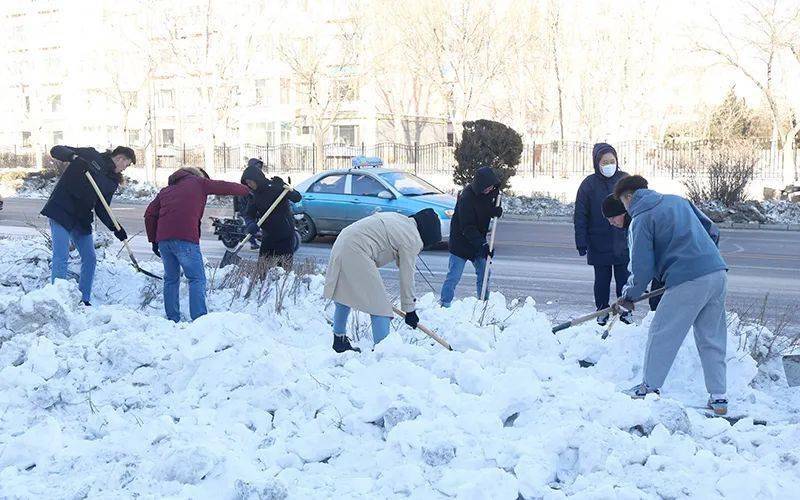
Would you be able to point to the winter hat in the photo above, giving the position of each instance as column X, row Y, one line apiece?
column 612, row 207
column 599, row 150
column 484, row 177
column 255, row 162
column 253, row 172
column 429, row 227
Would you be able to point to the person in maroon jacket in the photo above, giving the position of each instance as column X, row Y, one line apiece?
column 172, row 221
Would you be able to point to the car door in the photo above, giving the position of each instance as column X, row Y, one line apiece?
column 370, row 196
column 327, row 204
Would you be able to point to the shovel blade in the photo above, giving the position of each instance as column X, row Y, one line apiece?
column 791, row 367
column 229, row 258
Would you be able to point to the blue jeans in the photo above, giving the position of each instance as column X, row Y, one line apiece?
column 85, row 245
column 177, row 255
column 380, row 324
column 455, row 269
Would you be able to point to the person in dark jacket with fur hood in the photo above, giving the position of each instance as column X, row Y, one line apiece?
column 279, row 238
column 73, row 202
column 474, row 210
column 172, row 221
column 605, row 246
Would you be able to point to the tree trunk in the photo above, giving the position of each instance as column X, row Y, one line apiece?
column 789, row 167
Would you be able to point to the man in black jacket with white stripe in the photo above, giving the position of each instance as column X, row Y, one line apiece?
column 474, row 211
column 73, row 201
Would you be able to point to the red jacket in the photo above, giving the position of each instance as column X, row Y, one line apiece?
column 177, row 210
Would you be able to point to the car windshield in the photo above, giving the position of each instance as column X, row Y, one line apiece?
column 409, row 184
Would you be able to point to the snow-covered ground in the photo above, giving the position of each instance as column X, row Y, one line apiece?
column 249, row 402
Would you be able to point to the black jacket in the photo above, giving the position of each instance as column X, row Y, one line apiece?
column 472, row 215
column 279, row 226
column 73, row 199
column 605, row 244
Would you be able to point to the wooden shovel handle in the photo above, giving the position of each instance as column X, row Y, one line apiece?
column 426, row 330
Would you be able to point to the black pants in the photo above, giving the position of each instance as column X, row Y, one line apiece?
column 655, row 285
column 602, row 283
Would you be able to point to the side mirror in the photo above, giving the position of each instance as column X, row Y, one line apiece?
column 385, row 195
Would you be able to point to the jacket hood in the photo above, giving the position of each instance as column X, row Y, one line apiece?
column 598, row 151
column 429, row 227
column 254, row 173
column 484, row 177
column 184, row 172
column 643, row 200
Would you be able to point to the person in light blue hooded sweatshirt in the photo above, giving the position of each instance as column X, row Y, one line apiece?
column 670, row 238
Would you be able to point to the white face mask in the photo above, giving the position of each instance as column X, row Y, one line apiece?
column 608, row 170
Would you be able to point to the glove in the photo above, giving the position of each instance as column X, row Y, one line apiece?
column 121, row 234
column 623, row 305
column 156, row 250
column 252, row 228
column 412, row 319
column 484, row 252
column 497, row 211
column 581, row 251
column 277, row 180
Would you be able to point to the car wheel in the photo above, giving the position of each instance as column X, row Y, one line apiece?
column 305, row 226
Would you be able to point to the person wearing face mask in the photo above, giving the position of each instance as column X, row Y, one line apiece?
column 604, row 245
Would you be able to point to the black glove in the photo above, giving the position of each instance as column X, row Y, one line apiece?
column 252, row 228
column 277, row 180
column 156, row 250
column 484, row 252
column 121, row 234
column 582, row 251
column 497, row 211
column 412, row 319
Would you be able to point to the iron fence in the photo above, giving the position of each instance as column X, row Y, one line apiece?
column 558, row 159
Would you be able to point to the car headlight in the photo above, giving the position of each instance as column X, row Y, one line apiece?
column 449, row 213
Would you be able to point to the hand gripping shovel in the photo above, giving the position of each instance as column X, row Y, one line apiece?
column 602, row 312
column 118, row 227
column 233, row 257
column 427, row 331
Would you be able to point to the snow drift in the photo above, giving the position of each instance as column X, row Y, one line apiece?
column 115, row 401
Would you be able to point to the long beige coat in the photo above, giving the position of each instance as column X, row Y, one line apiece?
column 353, row 279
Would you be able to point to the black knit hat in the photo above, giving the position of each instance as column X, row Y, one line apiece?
column 612, row 207
column 429, row 227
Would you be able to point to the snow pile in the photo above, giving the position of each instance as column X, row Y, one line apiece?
column 116, row 401
column 538, row 206
column 764, row 212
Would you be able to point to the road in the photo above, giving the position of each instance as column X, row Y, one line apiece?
column 534, row 259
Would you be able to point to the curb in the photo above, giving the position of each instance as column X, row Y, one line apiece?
column 722, row 225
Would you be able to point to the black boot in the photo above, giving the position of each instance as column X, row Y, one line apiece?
column 341, row 344
column 86, row 303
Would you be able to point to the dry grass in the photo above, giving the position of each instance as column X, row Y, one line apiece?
column 764, row 331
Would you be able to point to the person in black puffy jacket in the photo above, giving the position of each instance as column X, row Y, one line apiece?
column 279, row 237
column 475, row 208
column 73, row 203
column 605, row 246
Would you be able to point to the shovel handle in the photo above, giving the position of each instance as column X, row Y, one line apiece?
column 602, row 312
column 269, row 211
column 104, row 202
column 426, row 330
column 485, row 283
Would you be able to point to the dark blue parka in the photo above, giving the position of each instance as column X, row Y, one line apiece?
column 473, row 211
column 605, row 244
column 73, row 199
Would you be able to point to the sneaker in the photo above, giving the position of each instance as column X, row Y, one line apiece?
column 641, row 390
column 254, row 245
column 446, row 305
column 602, row 320
column 718, row 406
column 341, row 344
column 86, row 303
column 626, row 318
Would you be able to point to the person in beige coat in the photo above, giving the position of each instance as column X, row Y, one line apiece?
column 353, row 281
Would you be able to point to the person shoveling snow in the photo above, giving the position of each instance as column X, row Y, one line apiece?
column 353, row 280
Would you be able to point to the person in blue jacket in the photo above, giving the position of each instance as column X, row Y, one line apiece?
column 73, row 202
column 605, row 246
column 672, row 239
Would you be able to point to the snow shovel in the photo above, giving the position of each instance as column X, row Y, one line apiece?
column 118, row 227
column 426, row 330
column 791, row 367
column 489, row 258
column 233, row 257
column 602, row 312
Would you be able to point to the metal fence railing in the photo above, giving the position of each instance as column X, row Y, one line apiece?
column 558, row 159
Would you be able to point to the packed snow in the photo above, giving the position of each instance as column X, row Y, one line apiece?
column 251, row 402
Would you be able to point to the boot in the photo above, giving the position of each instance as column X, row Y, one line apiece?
column 602, row 320
column 626, row 318
column 341, row 344
column 86, row 303
column 641, row 390
column 718, row 406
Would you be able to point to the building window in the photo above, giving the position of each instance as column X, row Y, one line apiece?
column 166, row 98
column 270, row 133
column 286, row 91
column 345, row 134
column 133, row 136
column 167, row 136
column 58, row 137
column 261, row 92
column 55, row 103
column 26, row 139
column 286, row 132
column 27, row 104
column 306, row 130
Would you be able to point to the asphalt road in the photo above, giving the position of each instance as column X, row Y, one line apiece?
column 534, row 259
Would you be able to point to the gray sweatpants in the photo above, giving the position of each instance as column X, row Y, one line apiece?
column 699, row 303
